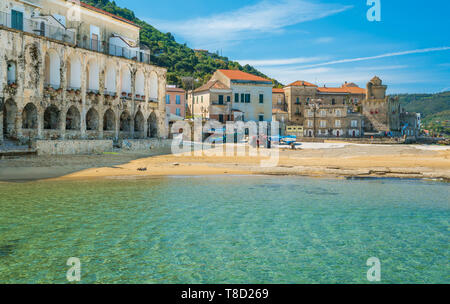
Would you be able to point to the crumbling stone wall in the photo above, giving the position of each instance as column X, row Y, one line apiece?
column 31, row 110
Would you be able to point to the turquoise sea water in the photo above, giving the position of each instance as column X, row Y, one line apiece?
column 225, row 230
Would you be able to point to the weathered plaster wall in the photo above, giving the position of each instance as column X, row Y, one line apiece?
column 61, row 113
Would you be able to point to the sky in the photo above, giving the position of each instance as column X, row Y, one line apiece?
column 326, row 42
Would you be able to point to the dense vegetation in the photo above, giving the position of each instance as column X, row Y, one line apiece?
column 435, row 109
column 179, row 59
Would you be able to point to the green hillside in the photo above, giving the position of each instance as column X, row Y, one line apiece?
column 435, row 109
column 178, row 58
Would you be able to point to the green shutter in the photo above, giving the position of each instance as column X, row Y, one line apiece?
column 261, row 98
column 236, row 97
column 242, row 98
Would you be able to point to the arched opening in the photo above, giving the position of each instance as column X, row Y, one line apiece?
column 140, row 83
column 354, row 133
column 139, row 122
column 74, row 73
column 73, row 120
column 9, row 119
column 11, row 72
column 153, row 86
column 51, row 118
column 125, row 122
column 110, row 81
column 109, row 121
column 126, row 80
column 92, row 120
column 338, row 133
column 29, row 117
column 310, row 133
column 93, row 78
column 52, row 69
column 152, row 126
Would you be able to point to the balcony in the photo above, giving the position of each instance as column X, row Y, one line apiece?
column 38, row 28
column 114, row 50
column 41, row 28
column 219, row 103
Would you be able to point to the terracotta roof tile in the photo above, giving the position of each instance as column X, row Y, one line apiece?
column 301, row 83
column 348, row 90
column 276, row 90
column 239, row 75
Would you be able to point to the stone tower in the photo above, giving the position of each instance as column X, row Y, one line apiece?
column 382, row 114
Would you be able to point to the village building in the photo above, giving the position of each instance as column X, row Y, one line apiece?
column 213, row 101
column 175, row 101
column 346, row 111
column 279, row 100
column 233, row 95
column 251, row 95
column 73, row 71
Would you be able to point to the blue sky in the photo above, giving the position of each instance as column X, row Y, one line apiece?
column 321, row 41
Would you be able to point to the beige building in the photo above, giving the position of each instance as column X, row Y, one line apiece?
column 251, row 95
column 75, row 72
column 300, row 93
column 212, row 101
column 346, row 111
column 331, row 121
column 279, row 100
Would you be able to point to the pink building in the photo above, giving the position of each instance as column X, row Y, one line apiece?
column 176, row 101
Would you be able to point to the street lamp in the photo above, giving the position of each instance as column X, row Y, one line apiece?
column 314, row 106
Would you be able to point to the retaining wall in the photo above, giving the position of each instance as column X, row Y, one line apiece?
column 73, row 147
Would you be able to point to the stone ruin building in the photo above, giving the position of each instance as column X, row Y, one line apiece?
column 71, row 71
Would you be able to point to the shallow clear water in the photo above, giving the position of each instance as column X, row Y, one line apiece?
column 225, row 230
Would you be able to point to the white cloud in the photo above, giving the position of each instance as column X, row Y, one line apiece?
column 263, row 17
column 323, row 40
column 419, row 51
column 274, row 62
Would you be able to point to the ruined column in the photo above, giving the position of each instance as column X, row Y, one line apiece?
column 83, row 122
column 1, row 123
column 62, row 124
column 40, row 124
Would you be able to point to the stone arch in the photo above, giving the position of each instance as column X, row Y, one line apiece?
column 140, row 83
column 10, row 119
column 52, row 71
column 92, row 120
column 125, row 121
column 74, row 72
column 139, row 122
column 51, row 118
column 109, row 120
column 152, row 123
column 154, row 86
column 92, row 76
column 29, row 117
column 111, row 79
column 125, row 83
column 73, row 119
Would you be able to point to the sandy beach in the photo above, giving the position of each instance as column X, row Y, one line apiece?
column 312, row 159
